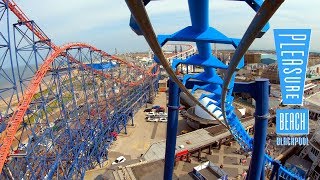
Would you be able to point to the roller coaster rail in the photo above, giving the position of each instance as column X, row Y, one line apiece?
column 220, row 92
column 67, row 111
column 61, row 75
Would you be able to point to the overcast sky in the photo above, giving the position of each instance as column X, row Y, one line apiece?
column 104, row 23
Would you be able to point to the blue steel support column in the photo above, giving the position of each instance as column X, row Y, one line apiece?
column 199, row 13
column 260, row 129
column 172, row 126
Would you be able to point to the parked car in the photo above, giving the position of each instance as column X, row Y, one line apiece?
column 162, row 114
column 150, row 119
column 147, row 110
column 163, row 119
column 160, row 109
column 120, row 159
column 151, row 114
column 156, row 107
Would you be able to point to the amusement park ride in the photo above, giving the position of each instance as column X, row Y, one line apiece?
column 61, row 112
column 219, row 88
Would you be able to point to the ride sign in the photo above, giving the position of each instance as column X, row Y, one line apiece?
column 292, row 49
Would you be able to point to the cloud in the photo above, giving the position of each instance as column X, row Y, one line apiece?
column 104, row 23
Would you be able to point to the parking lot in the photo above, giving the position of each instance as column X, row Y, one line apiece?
column 156, row 116
column 139, row 137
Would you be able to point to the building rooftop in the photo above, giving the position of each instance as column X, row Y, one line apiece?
column 152, row 170
column 298, row 162
column 192, row 141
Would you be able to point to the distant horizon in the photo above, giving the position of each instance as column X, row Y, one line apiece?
column 224, row 50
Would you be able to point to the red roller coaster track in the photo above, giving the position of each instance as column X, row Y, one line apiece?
column 17, row 118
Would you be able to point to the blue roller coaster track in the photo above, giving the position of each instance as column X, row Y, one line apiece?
column 219, row 87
